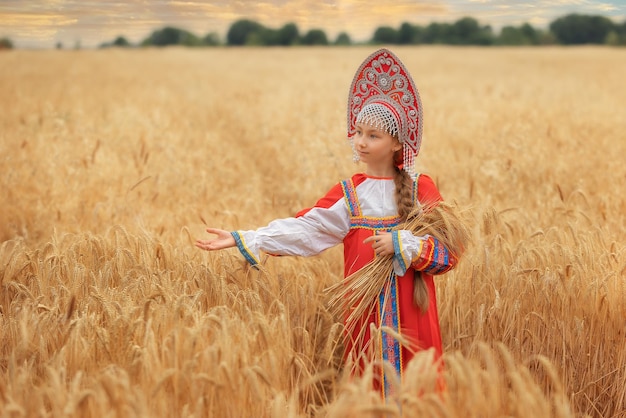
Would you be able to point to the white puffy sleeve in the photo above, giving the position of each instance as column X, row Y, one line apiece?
column 310, row 232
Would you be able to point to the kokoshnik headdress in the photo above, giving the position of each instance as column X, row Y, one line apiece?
column 384, row 95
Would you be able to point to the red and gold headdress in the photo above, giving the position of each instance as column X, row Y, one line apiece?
column 384, row 95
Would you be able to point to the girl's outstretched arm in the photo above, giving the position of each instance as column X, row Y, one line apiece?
column 312, row 231
column 224, row 240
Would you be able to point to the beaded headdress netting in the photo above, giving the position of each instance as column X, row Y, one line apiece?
column 384, row 95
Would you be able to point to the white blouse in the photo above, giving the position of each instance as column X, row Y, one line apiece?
column 321, row 228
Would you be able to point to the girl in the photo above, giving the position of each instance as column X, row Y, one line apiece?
column 384, row 128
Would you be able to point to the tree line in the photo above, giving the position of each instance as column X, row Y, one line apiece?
column 572, row 29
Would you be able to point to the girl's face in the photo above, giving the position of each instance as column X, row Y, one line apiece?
column 376, row 148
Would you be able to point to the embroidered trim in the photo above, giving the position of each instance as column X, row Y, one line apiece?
column 441, row 261
column 375, row 224
column 243, row 248
column 390, row 318
column 349, row 194
column 432, row 257
column 421, row 260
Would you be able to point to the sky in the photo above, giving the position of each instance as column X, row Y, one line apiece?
column 89, row 23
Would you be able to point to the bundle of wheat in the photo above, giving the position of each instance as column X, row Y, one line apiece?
column 354, row 297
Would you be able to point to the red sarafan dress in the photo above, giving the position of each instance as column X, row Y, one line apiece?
column 351, row 211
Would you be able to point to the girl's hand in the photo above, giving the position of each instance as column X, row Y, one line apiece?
column 224, row 240
column 382, row 243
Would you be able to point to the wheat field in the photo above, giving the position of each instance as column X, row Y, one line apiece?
column 114, row 161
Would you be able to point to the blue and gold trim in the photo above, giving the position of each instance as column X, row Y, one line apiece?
column 349, row 194
column 432, row 257
column 390, row 318
column 398, row 251
column 441, row 259
column 243, row 248
column 374, row 224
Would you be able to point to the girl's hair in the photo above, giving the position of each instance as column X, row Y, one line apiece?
column 404, row 193
column 404, row 200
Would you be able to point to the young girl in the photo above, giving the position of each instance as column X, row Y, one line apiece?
column 384, row 128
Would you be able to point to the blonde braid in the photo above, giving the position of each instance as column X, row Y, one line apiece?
column 404, row 200
column 404, row 193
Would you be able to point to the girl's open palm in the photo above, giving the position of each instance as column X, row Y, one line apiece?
column 224, row 240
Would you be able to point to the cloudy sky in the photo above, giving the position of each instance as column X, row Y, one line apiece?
column 43, row 23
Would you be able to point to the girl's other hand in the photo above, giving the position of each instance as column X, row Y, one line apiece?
column 224, row 240
column 382, row 243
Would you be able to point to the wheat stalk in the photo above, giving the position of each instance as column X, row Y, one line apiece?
column 353, row 297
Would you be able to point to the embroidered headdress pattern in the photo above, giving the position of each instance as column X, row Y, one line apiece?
column 384, row 95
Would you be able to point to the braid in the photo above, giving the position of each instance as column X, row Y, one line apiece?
column 404, row 193
column 404, row 199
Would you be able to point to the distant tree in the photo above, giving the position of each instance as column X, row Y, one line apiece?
column 523, row 35
column 486, row 36
column 409, row 34
column 343, row 39
column 575, row 29
column 510, row 35
column 621, row 29
column 463, row 30
column 121, row 42
column 263, row 37
column 437, row 33
column 6, row 43
column 546, row 37
column 530, row 33
column 385, row 35
column 617, row 36
column 314, row 37
column 171, row 36
column 59, row 45
column 287, row 35
column 211, row 39
column 269, row 37
column 467, row 31
column 612, row 38
column 241, row 30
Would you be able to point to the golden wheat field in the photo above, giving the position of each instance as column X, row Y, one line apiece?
column 112, row 162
